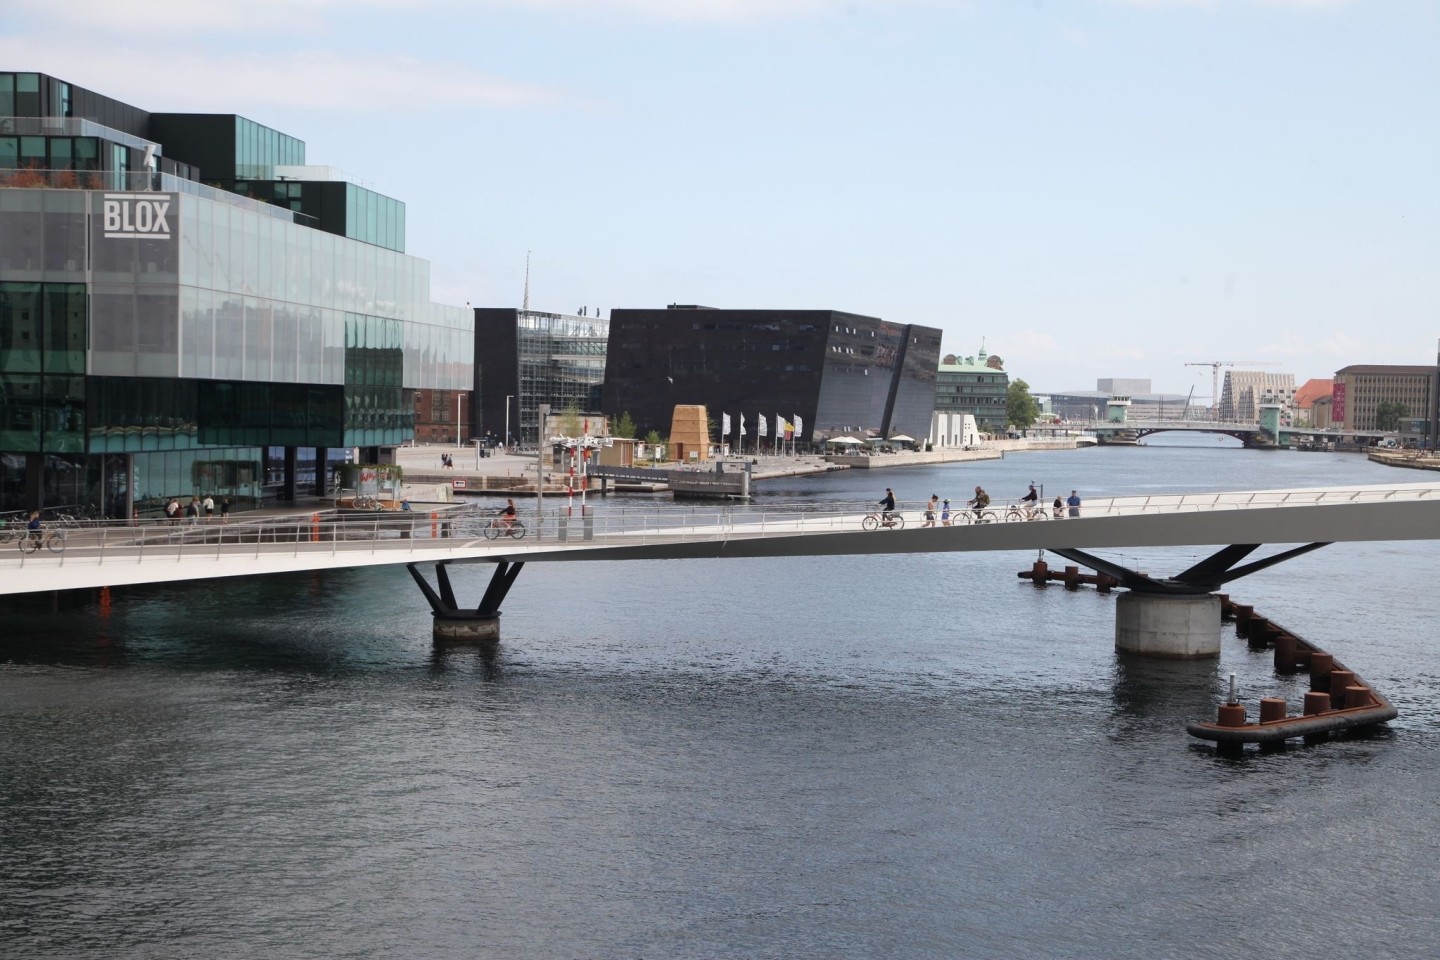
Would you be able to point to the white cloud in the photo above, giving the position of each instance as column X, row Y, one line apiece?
column 1036, row 341
column 315, row 79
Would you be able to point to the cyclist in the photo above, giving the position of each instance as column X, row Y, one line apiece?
column 887, row 507
column 1029, row 501
column 979, row 502
column 506, row 519
column 33, row 527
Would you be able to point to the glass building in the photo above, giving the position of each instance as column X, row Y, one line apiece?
column 530, row 358
column 160, row 336
column 841, row 373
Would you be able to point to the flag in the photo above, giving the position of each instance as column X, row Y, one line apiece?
column 788, row 429
column 799, row 426
column 764, row 427
column 742, row 424
column 724, row 424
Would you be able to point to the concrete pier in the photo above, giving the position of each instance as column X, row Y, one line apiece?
column 473, row 628
column 1181, row 627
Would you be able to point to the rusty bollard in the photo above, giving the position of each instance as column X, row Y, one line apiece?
column 1272, row 709
column 1321, row 663
column 1227, row 609
column 1040, row 573
column 1339, row 680
column 1242, row 612
column 1285, row 645
column 1258, row 633
column 1316, row 701
column 1072, row 578
column 1357, row 695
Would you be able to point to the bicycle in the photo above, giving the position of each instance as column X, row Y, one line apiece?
column 365, row 502
column 874, row 521
column 981, row 516
column 500, row 528
column 1017, row 512
column 32, row 540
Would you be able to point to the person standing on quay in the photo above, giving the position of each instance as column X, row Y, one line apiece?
column 945, row 520
column 224, row 510
column 1073, row 501
column 209, row 506
column 1057, row 508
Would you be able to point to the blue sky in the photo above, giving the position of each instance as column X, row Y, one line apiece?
column 1098, row 188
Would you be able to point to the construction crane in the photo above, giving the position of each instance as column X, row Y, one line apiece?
column 1215, row 366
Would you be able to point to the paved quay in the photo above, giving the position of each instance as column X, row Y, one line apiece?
column 427, row 480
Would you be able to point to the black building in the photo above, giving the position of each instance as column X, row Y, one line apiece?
column 840, row 373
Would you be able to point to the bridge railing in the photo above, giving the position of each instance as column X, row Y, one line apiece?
column 425, row 533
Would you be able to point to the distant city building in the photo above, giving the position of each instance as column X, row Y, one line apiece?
column 840, row 373
column 1245, row 389
column 1081, row 405
column 1359, row 390
column 438, row 413
column 525, row 358
column 170, row 325
column 975, row 385
column 1123, row 386
column 1310, row 391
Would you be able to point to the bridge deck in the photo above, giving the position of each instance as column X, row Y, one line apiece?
column 102, row 556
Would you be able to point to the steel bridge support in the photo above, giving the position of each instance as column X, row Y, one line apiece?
column 1176, row 617
column 453, row 624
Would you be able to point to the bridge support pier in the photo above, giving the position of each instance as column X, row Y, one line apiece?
column 1169, row 626
column 453, row 624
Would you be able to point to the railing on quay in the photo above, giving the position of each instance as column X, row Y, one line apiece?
column 465, row 530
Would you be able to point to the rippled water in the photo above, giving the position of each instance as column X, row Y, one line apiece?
column 849, row 757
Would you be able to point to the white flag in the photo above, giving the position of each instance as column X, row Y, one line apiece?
column 742, row 424
column 724, row 424
column 763, row 428
column 799, row 426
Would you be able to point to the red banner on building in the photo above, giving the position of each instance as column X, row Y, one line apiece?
column 1337, row 403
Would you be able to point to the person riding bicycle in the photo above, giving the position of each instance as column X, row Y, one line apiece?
column 979, row 502
column 34, row 526
column 1029, row 501
column 506, row 518
column 887, row 507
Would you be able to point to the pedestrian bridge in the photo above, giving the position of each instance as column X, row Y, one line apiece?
column 118, row 555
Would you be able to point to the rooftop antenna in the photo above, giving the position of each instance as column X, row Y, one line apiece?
column 525, row 306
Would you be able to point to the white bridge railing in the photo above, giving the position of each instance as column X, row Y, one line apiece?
column 430, row 536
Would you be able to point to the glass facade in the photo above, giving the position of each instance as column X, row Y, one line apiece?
column 965, row 386
column 840, row 372
column 155, row 342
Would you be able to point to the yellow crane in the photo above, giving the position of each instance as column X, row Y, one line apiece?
column 1215, row 366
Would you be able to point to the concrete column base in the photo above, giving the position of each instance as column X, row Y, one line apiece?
column 1171, row 627
column 467, row 629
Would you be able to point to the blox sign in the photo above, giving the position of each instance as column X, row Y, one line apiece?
column 136, row 216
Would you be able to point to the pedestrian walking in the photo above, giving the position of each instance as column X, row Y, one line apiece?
column 224, row 510
column 209, row 506
column 945, row 520
column 930, row 509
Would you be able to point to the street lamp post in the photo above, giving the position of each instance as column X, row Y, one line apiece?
column 508, row 398
column 458, row 395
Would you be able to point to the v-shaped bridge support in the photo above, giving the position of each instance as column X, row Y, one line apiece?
column 454, row 623
column 1207, row 575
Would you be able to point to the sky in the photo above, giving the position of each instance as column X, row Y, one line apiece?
column 1090, row 188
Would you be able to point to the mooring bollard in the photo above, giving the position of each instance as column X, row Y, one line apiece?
column 1316, row 701
column 1040, row 573
column 1285, row 644
column 1072, row 578
column 1272, row 709
column 1321, row 663
column 1357, row 695
column 1339, row 680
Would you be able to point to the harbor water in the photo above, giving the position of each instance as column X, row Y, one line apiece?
column 879, row 756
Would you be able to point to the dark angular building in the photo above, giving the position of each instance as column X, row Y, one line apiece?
column 170, row 324
column 526, row 358
column 841, row 373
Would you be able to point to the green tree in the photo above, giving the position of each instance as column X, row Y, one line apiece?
column 570, row 424
column 624, row 427
column 1021, row 410
column 1388, row 415
column 652, row 440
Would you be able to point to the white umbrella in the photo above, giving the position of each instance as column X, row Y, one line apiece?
column 843, row 440
column 902, row 438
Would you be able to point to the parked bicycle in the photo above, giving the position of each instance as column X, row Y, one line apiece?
column 364, row 501
column 876, row 520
